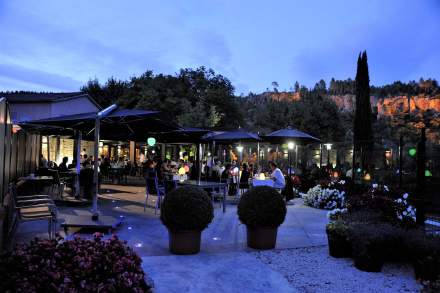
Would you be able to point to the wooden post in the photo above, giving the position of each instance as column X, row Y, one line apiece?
column 132, row 151
column 58, row 149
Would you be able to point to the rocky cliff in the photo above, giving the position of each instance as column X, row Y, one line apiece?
column 389, row 106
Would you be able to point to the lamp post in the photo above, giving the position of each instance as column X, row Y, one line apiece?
column 240, row 152
column 290, row 146
column 328, row 146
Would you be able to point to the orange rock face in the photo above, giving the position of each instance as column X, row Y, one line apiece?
column 395, row 105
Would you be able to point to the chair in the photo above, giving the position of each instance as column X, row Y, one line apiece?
column 221, row 192
column 152, row 187
column 169, row 185
column 30, row 208
column 58, row 184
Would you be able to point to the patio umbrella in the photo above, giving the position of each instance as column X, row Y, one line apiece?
column 113, row 124
column 286, row 134
column 184, row 135
column 188, row 135
column 232, row 136
column 228, row 137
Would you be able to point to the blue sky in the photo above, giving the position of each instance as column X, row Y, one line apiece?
column 59, row 45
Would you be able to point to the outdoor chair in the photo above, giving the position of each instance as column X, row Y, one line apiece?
column 169, row 184
column 58, row 183
column 219, row 193
column 152, row 187
column 105, row 172
column 30, row 208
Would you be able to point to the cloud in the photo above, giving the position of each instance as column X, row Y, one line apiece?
column 38, row 77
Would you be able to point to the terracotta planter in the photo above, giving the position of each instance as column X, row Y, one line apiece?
column 368, row 263
column 261, row 237
column 184, row 242
column 338, row 246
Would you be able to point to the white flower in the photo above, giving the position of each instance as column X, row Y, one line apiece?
column 375, row 185
column 386, row 188
column 405, row 213
column 405, row 196
column 399, row 200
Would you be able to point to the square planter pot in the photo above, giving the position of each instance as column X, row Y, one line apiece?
column 368, row 263
column 184, row 242
column 261, row 238
column 338, row 246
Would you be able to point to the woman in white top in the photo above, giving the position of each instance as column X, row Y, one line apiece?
column 277, row 176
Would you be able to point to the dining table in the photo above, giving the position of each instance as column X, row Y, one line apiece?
column 262, row 182
column 37, row 182
column 207, row 185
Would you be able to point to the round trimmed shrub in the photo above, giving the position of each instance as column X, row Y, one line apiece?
column 187, row 208
column 262, row 206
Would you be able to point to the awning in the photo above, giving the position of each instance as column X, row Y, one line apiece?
column 121, row 124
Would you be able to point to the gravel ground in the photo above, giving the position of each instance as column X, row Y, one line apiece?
column 313, row 270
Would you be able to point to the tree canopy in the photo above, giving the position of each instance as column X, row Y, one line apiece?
column 194, row 97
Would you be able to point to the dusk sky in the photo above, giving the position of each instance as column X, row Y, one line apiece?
column 60, row 45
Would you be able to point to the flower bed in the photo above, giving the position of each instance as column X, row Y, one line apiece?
column 327, row 197
column 77, row 265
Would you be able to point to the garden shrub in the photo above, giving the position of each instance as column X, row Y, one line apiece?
column 76, row 265
column 187, row 208
column 262, row 206
column 425, row 253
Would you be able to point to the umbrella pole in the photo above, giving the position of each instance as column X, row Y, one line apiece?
column 258, row 155
column 95, row 166
column 78, row 162
column 199, row 162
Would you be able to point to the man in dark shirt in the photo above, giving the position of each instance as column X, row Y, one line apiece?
column 63, row 166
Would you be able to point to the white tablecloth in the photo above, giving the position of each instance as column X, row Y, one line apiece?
column 259, row 182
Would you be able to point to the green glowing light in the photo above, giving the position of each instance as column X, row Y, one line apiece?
column 412, row 152
column 151, row 141
column 428, row 173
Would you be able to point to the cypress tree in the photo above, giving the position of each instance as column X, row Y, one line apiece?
column 363, row 131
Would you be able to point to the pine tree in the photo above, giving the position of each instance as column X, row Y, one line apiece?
column 363, row 132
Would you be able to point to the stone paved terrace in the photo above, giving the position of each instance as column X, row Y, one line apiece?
column 225, row 264
column 303, row 226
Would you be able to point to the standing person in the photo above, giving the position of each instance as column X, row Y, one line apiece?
column 43, row 162
column 277, row 176
column 244, row 178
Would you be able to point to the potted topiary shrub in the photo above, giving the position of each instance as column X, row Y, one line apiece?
column 368, row 245
column 186, row 212
column 338, row 242
column 425, row 252
column 262, row 210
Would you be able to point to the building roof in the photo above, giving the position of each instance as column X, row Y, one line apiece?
column 33, row 97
